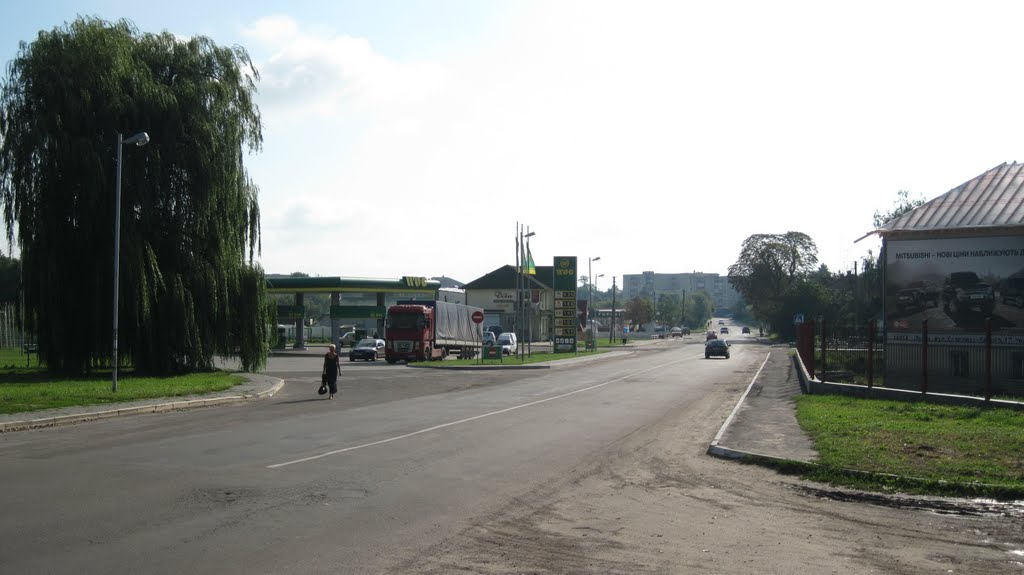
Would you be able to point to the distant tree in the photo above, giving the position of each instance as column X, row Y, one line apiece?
column 639, row 311
column 769, row 265
column 669, row 309
column 902, row 205
column 698, row 308
column 189, row 287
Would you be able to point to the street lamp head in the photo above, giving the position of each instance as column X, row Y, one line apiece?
column 595, row 259
column 140, row 139
column 530, row 235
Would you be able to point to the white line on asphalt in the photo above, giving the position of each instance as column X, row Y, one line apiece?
column 474, row 418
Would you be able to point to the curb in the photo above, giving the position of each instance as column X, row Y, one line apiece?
column 179, row 405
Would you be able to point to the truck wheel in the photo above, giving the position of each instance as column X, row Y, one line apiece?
column 391, row 361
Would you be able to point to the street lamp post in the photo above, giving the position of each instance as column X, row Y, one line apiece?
column 140, row 139
column 590, row 288
column 527, row 311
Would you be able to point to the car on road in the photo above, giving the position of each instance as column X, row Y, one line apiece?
column 745, row 329
column 710, row 335
column 721, row 322
column 716, row 348
column 489, row 338
column 724, row 330
column 680, row 331
column 367, row 349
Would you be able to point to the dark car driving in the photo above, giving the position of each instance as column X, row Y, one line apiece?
column 716, row 347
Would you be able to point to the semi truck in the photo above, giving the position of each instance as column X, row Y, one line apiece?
column 429, row 330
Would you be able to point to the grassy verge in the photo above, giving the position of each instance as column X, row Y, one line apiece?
column 915, row 446
column 31, row 390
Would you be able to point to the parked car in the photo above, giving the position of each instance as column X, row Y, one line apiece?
column 717, row 348
column 711, row 335
column 349, row 338
column 965, row 290
column 1012, row 291
column 489, row 338
column 367, row 349
column 745, row 329
column 495, row 329
column 508, row 343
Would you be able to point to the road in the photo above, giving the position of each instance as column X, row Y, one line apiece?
column 597, row 467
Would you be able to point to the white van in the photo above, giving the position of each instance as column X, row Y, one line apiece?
column 508, row 343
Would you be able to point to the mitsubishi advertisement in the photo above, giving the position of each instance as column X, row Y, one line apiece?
column 955, row 283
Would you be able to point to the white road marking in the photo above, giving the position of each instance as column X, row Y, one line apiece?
column 474, row 418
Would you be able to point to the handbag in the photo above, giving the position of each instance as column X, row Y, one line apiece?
column 323, row 384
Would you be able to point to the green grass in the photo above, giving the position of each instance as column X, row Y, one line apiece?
column 32, row 390
column 932, row 448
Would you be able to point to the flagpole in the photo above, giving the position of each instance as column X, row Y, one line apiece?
column 529, row 303
column 515, row 304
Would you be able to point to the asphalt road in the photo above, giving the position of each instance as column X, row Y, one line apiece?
column 597, row 467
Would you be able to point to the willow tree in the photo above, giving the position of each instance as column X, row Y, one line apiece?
column 770, row 265
column 190, row 289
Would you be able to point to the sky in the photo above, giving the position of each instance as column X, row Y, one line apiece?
column 414, row 138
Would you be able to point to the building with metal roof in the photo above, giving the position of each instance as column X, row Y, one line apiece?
column 953, row 284
column 990, row 204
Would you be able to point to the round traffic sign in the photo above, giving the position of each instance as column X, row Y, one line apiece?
column 478, row 316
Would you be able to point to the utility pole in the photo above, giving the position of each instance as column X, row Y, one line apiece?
column 611, row 328
column 682, row 321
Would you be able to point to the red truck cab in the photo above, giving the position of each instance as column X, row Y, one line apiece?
column 409, row 333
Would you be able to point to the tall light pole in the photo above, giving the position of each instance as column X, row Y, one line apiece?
column 590, row 288
column 527, row 315
column 140, row 139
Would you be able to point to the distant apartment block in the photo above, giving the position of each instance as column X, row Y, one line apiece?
column 646, row 283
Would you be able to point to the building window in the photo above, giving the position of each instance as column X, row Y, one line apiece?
column 958, row 364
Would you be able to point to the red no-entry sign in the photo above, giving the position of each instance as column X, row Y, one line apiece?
column 478, row 316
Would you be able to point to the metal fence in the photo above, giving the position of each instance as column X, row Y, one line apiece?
column 965, row 363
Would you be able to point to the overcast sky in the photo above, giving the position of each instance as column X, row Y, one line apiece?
column 409, row 138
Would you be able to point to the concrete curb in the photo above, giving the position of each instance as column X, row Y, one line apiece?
column 178, row 405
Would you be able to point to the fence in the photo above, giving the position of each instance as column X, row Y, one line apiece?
column 979, row 364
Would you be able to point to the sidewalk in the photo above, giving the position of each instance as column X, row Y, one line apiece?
column 763, row 423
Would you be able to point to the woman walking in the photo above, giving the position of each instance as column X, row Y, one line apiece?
column 332, row 367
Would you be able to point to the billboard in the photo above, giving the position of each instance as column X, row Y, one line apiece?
column 566, row 320
column 955, row 283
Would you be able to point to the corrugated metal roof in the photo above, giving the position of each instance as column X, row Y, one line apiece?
column 994, row 199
